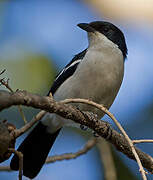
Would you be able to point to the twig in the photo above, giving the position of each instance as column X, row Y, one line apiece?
column 50, row 95
column 107, row 159
column 2, row 71
column 90, row 144
column 6, row 84
column 20, row 156
column 22, row 114
column 19, row 132
column 5, row 168
column 142, row 141
column 39, row 116
column 102, row 108
column 67, row 156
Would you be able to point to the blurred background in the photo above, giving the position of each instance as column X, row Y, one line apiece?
column 38, row 38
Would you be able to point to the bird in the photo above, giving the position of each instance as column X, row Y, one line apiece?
column 96, row 73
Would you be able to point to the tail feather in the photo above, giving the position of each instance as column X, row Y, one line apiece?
column 35, row 149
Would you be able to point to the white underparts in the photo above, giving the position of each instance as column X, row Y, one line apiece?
column 98, row 77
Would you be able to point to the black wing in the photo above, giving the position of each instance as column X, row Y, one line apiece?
column 67, row 71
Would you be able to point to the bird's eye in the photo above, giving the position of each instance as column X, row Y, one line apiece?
column 105, row 29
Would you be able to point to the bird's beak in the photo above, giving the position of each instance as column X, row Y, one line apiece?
column 86, row 27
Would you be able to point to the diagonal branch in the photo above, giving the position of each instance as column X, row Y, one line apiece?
column 20, row 156
column 90, row 144
column 102, row 128
column 105, row 110
column 107, row 160
column 67, row 156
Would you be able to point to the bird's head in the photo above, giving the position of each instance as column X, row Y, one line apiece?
column 105, row 33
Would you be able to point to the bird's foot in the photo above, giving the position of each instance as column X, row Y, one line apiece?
column 95, row 134
column 84, row 128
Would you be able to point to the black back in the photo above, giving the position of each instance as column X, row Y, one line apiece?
column 67, row 71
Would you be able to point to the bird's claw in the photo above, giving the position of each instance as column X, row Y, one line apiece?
column 84, row 128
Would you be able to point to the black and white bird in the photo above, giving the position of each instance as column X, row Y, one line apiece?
column 96, row 74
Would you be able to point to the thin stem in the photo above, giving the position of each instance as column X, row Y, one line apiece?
column 105, row 110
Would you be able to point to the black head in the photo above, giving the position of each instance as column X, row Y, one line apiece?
column 109, row 30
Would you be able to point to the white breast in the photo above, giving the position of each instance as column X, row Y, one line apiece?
column 98, row 76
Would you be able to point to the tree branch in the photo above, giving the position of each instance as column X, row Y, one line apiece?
column 5, row 83
column 69, row 112
column 105, row 110
column 90, row 144
column 142, row 141
column 67, row 156
column 22, row 130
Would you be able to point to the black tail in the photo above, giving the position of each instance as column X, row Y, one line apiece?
column 35, row 149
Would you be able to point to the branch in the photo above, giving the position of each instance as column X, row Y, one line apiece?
column 20, row 156
column 69, row 112
column 2, row 71
column 5, row 168
column 22, row 130
column 105, row 110
column 107, row 160
column 7, row 140
column 6, row 84
column 90, row 144
column 67, row 156
column 142, row 141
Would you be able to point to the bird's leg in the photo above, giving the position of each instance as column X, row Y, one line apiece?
column 92, row 116
column 82, row 127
